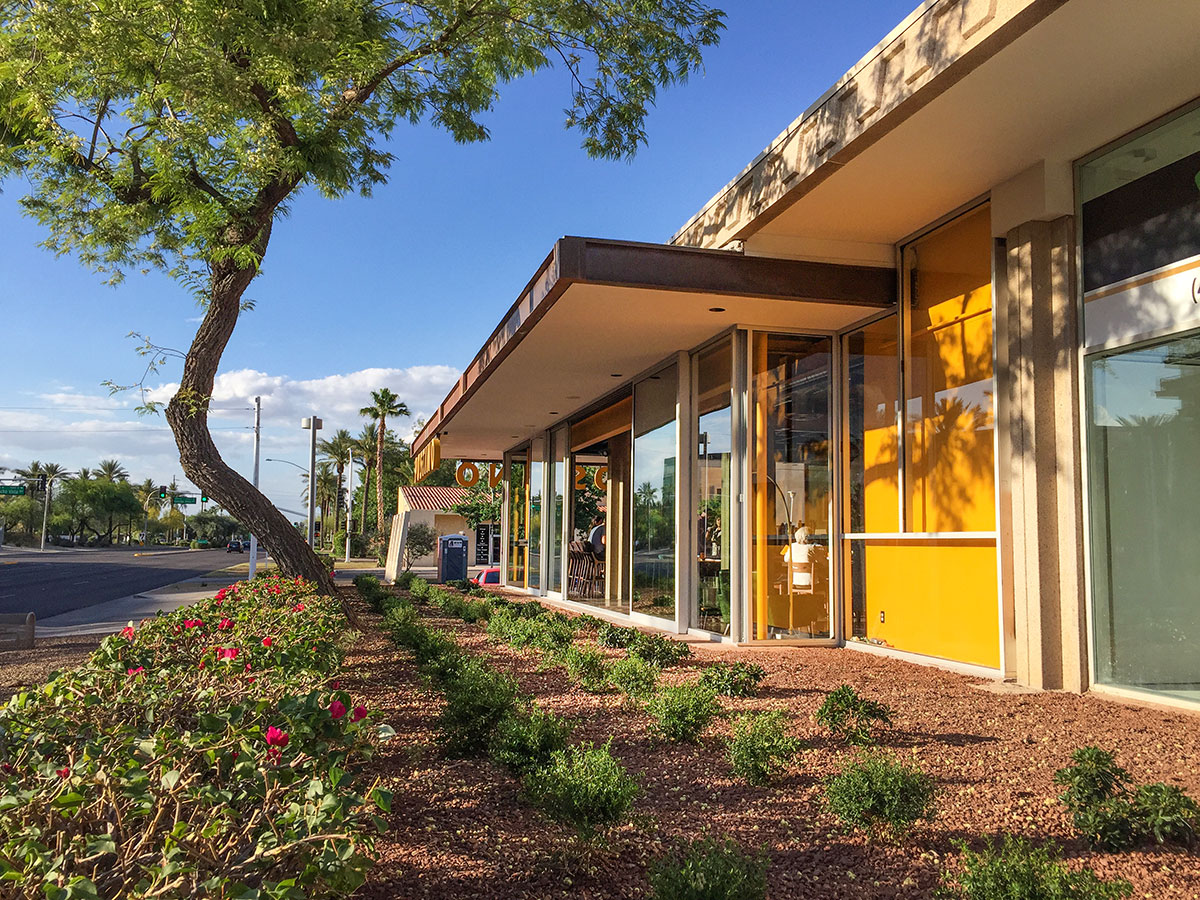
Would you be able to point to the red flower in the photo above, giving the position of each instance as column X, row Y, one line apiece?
column 138, row 671
column 360, row 712
column 64, row 772
column 251, row 679
column 221, row 593
column 267, row 641
column 227, row 652
column 7, row 768
column 337, row 709
column 276, row 590
column 247, row 667
column 193, row 623
column 226, row 624
column 299, row 607
column 127, row 632
column 336, row 685
column 201, row 666
column 276, row 741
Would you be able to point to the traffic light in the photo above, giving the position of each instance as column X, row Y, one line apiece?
column 162, row 492
column 41, row 482
column 203, row 498
column 341, row 498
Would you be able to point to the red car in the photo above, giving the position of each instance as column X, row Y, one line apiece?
column 488, row 576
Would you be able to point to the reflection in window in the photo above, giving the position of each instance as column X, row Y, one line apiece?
column 949, row 471
column 1143, row 442
column 714, row 443
column 558, row 479
column 790, row 481
column 534, row 559
column 654, row 467
column 518, row 546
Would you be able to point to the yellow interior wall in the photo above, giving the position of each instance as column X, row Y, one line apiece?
column 938, row 598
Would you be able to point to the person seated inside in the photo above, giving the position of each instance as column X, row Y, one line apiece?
column 595, row 538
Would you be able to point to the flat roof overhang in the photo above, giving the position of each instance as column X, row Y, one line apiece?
column 599, row 312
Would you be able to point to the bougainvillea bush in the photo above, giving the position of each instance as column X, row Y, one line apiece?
column 208, row 752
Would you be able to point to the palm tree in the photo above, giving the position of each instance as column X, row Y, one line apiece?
column 338, row 448
column 384, row 404
column 365, row 445
column 147, row 494
column 326, row 486
column 112, row 470
column 85, row 474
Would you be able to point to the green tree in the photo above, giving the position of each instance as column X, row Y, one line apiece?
column 482, row 504
column 383, row 404
column 337, row 450
column 419, row 542
column 174, row 135
column 214, row 527
column 112, row 470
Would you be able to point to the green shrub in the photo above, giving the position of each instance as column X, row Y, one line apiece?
column 165, row 765
column 760, row 746
column 615, row 636
column 683, row 711
column 405, row 579
column 659, row 650
column 551, row 632
column 1111, row 816
column 739, row 679
column 633, row 676
column 526, row 740
column 475, row 611
column 587, row 622
column 1165, row 814
column 583, row 786
column 851, row 717
column 370, row 590
column 877, row 791
column 478, row 699
column 588, row 667
column 708, row 869
column 1016, row 870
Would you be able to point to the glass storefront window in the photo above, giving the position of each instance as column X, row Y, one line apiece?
column 790, row 486
column 518, row 545
column 655, row 442
column 949, row 464
column 1143, row 429
column 873, row 451
column 558, row 484
column 534, row 475
column 714, row 453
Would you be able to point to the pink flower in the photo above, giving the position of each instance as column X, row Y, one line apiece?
column 227, row 652
column 277, row 737
column 201, row 666
column 193, row 623
column 360, row 712
column 221, row 593
column 140, row 670
column 276, row 590
column 247, row 667
column 127, row 632
column 226, row 624
column 337, row 709
column 251, row 679
column 299, row 607
column 64, row 772
column 267, row 641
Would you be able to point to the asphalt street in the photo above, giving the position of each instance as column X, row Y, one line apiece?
column 61, row 581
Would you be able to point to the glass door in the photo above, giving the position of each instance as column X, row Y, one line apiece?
column 791, row 487
column 518, row 523
column 712, row 483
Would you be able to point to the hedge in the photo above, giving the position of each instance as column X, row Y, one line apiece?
column 209, row 751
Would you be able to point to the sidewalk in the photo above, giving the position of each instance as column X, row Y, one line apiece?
column 113, row 615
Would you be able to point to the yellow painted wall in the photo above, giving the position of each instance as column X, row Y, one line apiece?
column 938, row 598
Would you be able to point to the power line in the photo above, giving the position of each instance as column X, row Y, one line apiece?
column 78, row 430
column 117, row 409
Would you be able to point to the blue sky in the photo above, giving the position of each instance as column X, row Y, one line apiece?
column 400, row 290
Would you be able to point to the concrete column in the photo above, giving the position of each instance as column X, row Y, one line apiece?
column 1038, row 421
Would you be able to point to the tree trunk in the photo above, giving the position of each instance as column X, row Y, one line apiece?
column 362, row 523
column 187, row 414
column 379, row 477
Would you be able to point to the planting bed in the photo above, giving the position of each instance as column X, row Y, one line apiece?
column 460, row 827
column 22, row 668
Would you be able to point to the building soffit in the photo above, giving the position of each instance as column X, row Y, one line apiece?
column 936, row 46
column 623, row 268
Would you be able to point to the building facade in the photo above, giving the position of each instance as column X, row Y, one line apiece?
column 916, row 382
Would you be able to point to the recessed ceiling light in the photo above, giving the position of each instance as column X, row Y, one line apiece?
column 572, row 396
column 716, row 309
column 553, row 413
column 616, row 374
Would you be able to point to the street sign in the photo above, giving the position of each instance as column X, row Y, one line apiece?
column 13, row 490
column 178, row 499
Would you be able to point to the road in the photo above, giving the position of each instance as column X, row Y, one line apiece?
column 56, row 582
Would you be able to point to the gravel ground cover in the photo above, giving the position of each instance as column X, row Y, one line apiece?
column 22, row 668
column 459, row 827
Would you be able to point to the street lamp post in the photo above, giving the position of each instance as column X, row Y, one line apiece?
column 349, row 503
column 313, row 425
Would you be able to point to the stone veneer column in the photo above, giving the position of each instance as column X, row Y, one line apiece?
column 1041, row 473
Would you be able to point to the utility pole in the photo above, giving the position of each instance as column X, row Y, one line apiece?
column 349, row 504
column 313, row 424
column 257, row 428
column 46, row 509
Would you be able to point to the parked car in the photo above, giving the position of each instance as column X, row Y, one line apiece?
column 488, row 576
column 233, row 547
